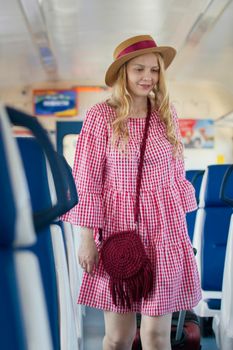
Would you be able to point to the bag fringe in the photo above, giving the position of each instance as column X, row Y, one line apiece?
column 134, row 288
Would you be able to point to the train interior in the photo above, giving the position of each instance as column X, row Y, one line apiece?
column 54, row 55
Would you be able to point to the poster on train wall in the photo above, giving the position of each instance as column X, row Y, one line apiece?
column 197, row 133
column 58, row 103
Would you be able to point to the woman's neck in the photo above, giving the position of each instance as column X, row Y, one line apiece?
column 139, row 107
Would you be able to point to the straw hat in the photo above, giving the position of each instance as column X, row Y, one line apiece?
column 133, row 47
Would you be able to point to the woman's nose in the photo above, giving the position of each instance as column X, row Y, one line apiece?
column 147, row 76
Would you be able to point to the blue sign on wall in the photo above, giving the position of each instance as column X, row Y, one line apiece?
column 59, row 103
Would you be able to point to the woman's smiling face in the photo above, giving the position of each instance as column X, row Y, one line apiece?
column 142, row 74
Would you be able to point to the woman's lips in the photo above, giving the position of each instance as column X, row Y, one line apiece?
column 145, row 86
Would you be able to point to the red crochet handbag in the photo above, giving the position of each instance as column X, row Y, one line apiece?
column 123, row 254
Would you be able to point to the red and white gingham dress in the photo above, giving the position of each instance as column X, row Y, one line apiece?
column 106, row 184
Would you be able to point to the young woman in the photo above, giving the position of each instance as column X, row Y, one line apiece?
column 105, row 171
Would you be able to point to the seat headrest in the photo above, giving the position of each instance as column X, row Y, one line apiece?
column 195, row 177
column 211, row 185
column 44, row 217
column 226, row 192
column 190, row 174
column 8, row 209
column 36, row 172
column 16, row 224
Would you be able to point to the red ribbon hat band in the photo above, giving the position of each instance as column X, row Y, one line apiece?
column 146, row 44
column 133, row 47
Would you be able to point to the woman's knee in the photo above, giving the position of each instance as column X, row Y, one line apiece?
column 120, row 331
column 113, row 342
column 121, row 339
column 155, row 339
column 155, row 332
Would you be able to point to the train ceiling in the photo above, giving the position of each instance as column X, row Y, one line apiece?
column 73, row 40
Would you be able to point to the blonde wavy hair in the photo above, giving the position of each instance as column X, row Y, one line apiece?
column 121, row 101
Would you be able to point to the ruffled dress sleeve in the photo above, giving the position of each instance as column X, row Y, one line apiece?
column 185, row 188
column 88, row 171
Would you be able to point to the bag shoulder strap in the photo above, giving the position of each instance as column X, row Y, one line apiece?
column 140, row 165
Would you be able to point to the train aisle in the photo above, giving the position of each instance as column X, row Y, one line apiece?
column 94, row 331
column 93, row 324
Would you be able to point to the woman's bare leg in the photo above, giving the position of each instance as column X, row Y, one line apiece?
column 155, row 332
column 120, row 330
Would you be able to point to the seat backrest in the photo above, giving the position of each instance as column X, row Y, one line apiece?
column 227, row 288
column 33, row 151
column 38, row 156
column 12, row 333
column 195, row 177
column 211, row 230
column 64, row 256
column 35, row 169
column 50, row 245
column 17, row 295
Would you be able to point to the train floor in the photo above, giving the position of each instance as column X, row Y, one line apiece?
column 94, row 331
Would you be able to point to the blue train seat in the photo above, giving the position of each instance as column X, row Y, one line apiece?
column 195, row 177
column 222, row 323
column 71, row 237
column 71, row 255
column 50, row 198
column 19, row 328
column 210, row 239
column 56, row 273
column 35, row 169
column 11, row 320
column 67, row 274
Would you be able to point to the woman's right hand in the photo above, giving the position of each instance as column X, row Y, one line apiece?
column 88, row 255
